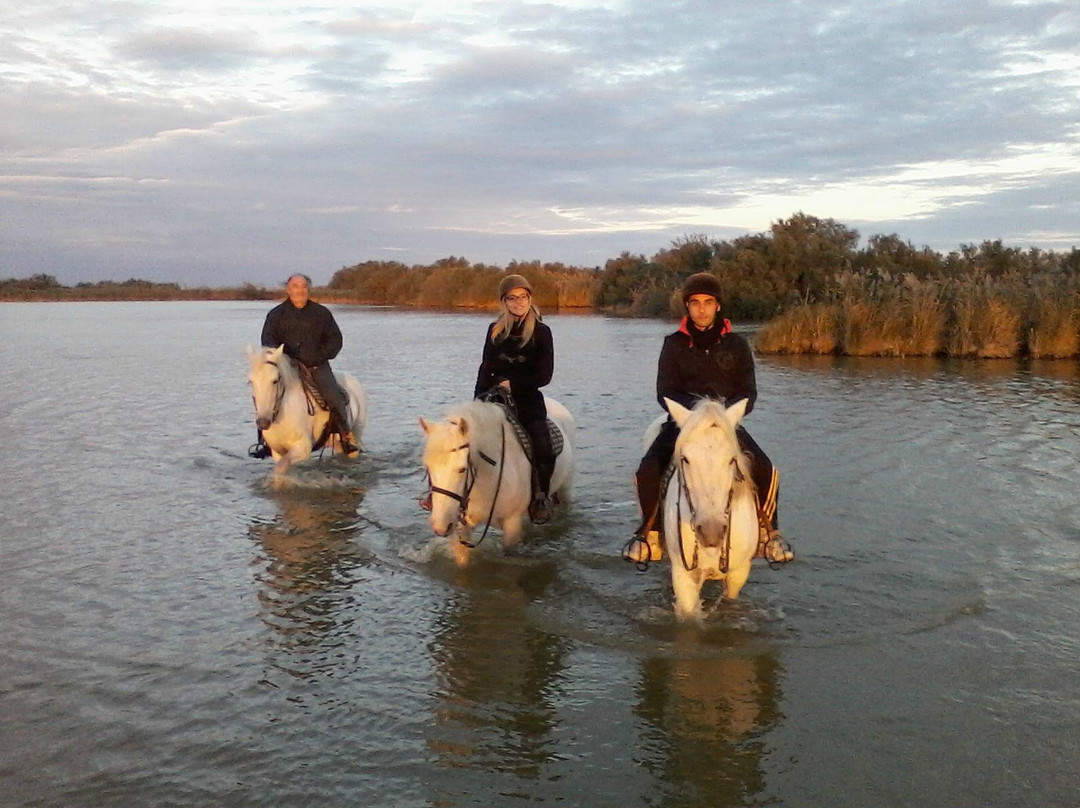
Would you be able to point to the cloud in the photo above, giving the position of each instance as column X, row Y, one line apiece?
column 205, row 144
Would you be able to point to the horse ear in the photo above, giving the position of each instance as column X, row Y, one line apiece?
column 677, row 410
column 277, row 352
column 736, row 411
column 424, row 425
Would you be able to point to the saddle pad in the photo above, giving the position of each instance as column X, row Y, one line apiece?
column 523, row 435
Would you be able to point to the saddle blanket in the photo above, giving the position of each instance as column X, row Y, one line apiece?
column 523, row 435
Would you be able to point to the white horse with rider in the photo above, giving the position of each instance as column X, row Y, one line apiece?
column 479, row 473
column 292, row 420
column 710, row 507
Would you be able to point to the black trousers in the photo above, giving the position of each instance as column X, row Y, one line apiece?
column 658, row 457
column 533, row 416
column 331, row 393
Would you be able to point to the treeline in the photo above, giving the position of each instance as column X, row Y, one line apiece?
column 822, row 294
column 808, row 277
column 456, row 283
column 42, row 288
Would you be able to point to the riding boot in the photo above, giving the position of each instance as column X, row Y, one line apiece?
column 348, row 442
column 771, row 545
column 259, row 450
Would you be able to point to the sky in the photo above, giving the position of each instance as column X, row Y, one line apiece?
column 213, row 144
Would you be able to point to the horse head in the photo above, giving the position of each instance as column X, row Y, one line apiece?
column 267, row 382
column 446, row 458
column 708, row 465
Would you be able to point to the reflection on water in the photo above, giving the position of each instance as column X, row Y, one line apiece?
column 311, row 563
column 174, row 633
column 709, row 717
column 497, row 675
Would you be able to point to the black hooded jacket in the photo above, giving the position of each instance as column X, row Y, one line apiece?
column 720, row 367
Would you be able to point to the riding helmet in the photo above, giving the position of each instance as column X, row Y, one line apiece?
column 701, row 283
column 513, row 282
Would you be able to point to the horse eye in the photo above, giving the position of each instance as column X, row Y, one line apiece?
column 686, row 461
column 462, row 470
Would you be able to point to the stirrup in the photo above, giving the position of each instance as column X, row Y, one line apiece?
column 348, row 443
column 772, row 547
column 642, row 550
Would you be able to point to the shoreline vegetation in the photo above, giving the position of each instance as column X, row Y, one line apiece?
column 806, row 279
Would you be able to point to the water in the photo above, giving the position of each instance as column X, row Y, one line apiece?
column 175, row 632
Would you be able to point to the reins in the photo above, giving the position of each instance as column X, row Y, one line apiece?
column 494, row 496
column 470, row 480
column 280, row 384
column 684, row 492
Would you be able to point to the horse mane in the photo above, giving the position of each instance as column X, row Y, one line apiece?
column 708, row 414
column 477, row 414
column 286, row 365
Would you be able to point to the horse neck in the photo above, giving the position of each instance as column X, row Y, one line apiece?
column 489, row 438
column 287, row 369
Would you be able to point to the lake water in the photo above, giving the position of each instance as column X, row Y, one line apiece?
column 175, row 632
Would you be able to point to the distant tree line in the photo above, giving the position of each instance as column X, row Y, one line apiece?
column 456, row 283
column 808, row 277
column 821, row 293
column 42, row 287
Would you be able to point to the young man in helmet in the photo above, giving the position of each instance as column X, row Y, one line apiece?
column 703, row 359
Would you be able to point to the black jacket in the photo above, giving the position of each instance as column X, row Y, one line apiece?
column 310, row 335
column 723, row 372
column 527, row 367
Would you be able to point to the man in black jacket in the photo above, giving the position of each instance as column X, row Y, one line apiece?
column 704, row 359
column 311, row 336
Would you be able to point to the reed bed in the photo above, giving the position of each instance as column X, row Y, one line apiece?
column 969, row 317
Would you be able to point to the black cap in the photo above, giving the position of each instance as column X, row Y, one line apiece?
column 701, row 283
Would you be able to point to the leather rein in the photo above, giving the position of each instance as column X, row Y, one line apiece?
column 684, row 493
column 470, row 480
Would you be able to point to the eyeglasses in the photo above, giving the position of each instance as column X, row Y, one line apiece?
column 516, row 298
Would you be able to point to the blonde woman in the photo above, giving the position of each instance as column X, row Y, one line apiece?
column 519, row 355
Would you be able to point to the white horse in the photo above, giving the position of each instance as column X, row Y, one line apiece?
column 292, row 426
column 479, row 473
column 710, row 509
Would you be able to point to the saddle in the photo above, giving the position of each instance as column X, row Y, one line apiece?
column 501, row 396
column 312, row 391
column 317, row 399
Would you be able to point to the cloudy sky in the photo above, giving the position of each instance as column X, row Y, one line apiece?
column 240, row 140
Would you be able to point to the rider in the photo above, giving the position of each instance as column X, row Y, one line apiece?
column 519, row 355
column 311, row 336
column 704, row 359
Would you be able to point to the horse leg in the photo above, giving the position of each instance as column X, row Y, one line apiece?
column 291, row 457
column 687, row 587
column 511, row 530
column 460, row 552
column 734, row 580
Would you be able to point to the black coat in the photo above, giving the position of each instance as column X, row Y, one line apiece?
column 527, row 367
column 723, row 372
column 310, row 335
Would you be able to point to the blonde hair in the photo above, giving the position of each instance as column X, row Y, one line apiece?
column 506, row 321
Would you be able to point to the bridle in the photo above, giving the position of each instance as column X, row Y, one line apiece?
column 684, row 493
column 279, row 383
column 470, row 480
